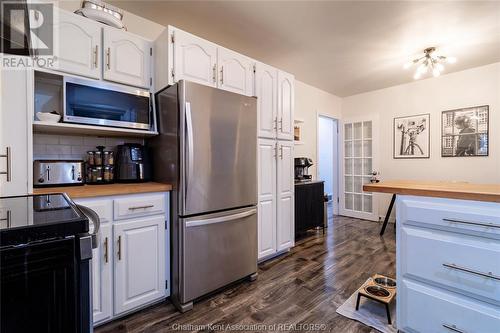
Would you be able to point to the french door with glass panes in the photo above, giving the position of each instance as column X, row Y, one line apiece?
column 360, row 142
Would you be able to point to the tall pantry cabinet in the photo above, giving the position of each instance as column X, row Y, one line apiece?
column 275, row 106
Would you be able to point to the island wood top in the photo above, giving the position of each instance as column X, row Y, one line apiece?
column 89, row 191
column 440, row 189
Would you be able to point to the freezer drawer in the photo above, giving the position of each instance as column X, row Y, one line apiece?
column 218, row 249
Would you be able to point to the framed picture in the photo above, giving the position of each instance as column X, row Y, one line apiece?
column 412, row 136
column 464, row 132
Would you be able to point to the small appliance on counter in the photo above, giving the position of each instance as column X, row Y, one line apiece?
column 57, row 172
column 132, row 163
column 302, row 165
column 100, row 166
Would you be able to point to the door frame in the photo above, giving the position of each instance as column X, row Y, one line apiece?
column 336, row 201
column 374, row 118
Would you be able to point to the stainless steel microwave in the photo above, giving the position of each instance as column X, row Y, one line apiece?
column 106, row 104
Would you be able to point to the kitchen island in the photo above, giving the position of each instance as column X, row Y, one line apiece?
column 447, row 255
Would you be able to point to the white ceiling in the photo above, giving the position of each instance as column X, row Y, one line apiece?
column 342, row 47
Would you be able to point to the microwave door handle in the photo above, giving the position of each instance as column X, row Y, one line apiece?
column 189, row 137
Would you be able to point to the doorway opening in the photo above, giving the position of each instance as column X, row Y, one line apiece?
column 328, row 160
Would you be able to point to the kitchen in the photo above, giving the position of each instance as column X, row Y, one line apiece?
column 193, row 186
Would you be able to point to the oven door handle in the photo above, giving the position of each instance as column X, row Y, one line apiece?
column 94, row 218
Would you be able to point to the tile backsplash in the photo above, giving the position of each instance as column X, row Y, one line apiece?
column 64, row 147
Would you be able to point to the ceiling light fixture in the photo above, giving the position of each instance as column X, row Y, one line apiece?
column 429, row 62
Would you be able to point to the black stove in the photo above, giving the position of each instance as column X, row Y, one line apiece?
column 45, row 253
column 35, row 218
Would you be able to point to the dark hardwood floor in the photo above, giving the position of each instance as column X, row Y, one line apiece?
column 304, row 286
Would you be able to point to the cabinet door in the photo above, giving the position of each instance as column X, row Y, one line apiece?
column 285, row 196
column 15, row 132
column 102, row 283
column 235, row 72
column 195, row 59
column 127, row 58
column 139, row 262
column 267, row 198
column 266, row 86
column 286, row 104
column 78, row 45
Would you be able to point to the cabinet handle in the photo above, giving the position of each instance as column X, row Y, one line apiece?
column 489, row 225
column 108, row 58
column 141, row 207
column 119, row 247
column 7, row 219
column 106, row 250
column 214, row 73
column 281, row 152
column 472, row 271
column 281, row 124
column 222, row 75
column 96, row 52
column 275, row 150
column 275, row 122
column 8, row 170
column 453, row 328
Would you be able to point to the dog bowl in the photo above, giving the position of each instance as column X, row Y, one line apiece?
column 377, row 291
column 385, row 282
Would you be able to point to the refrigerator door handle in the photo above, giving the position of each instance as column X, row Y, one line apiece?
column 189, row 134
column 237, row 216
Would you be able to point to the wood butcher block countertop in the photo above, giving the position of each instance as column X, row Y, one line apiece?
column 89, row 191
column 441, row 189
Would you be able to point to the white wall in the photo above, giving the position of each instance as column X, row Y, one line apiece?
column 309, row 103
column 477, row 86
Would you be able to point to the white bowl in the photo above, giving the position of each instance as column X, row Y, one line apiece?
column 48, row 117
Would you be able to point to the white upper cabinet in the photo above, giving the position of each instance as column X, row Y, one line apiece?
column 266, row 86
column 194, row 59
column 127, row 58
column 77, row 45
column 286, row 104
column 15, row 132
column 236, row 72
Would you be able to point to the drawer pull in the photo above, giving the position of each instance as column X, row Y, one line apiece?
column 106, row 250
column 7, row 219
column 468, row 270
column 141, row 207
column 119, row 247
column 489, row 225
column 453, row 328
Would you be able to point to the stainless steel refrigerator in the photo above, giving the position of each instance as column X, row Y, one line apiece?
column 207, row 150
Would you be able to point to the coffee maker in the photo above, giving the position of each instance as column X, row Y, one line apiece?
column 302, row 165
column 132, row 163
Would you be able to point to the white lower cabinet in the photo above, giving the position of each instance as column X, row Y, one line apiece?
column 276, row 197
column 448, row 265
column 102, row 276
column 139, row 262
column 285, row 194
column 131, row 264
